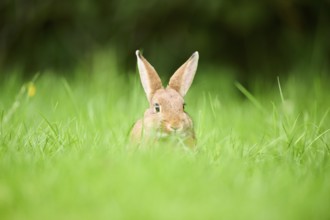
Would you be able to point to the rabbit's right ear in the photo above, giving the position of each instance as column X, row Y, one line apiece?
column 183, row 77
column 148, row 75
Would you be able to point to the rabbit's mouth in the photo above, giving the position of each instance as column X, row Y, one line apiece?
column 171, row 134
column 166, row 132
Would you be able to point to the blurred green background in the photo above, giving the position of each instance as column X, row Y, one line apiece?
column 70, row 93
column 251, row 38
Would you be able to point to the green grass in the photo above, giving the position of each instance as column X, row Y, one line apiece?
column 263, row 152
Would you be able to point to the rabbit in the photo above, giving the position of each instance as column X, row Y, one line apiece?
column 165, row 116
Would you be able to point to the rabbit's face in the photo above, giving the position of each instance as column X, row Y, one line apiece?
column 167, row 105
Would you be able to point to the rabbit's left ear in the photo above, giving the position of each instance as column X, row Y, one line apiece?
column 183, row 77
column 148, row 75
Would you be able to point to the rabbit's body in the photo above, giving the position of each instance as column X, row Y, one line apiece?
column 165, row 116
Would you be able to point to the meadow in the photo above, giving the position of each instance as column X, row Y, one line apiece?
column 263, row 152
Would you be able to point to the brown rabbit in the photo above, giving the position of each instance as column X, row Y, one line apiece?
column 165, row 116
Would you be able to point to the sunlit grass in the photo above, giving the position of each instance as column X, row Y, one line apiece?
column 263, row 152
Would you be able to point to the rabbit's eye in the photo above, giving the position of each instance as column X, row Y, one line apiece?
column 184, row 104
column 157, row 107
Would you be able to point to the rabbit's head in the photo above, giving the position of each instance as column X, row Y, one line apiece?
column 166, row 111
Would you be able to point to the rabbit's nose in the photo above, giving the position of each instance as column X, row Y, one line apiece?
column 175, row 128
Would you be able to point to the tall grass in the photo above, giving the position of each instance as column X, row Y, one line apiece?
column 263, row 152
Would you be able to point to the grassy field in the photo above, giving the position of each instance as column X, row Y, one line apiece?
column 263, row 152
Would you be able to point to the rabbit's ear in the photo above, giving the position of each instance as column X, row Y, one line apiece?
column 183, row 77
column 149, row 77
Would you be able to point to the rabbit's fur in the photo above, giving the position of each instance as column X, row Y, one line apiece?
column 165, row 116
